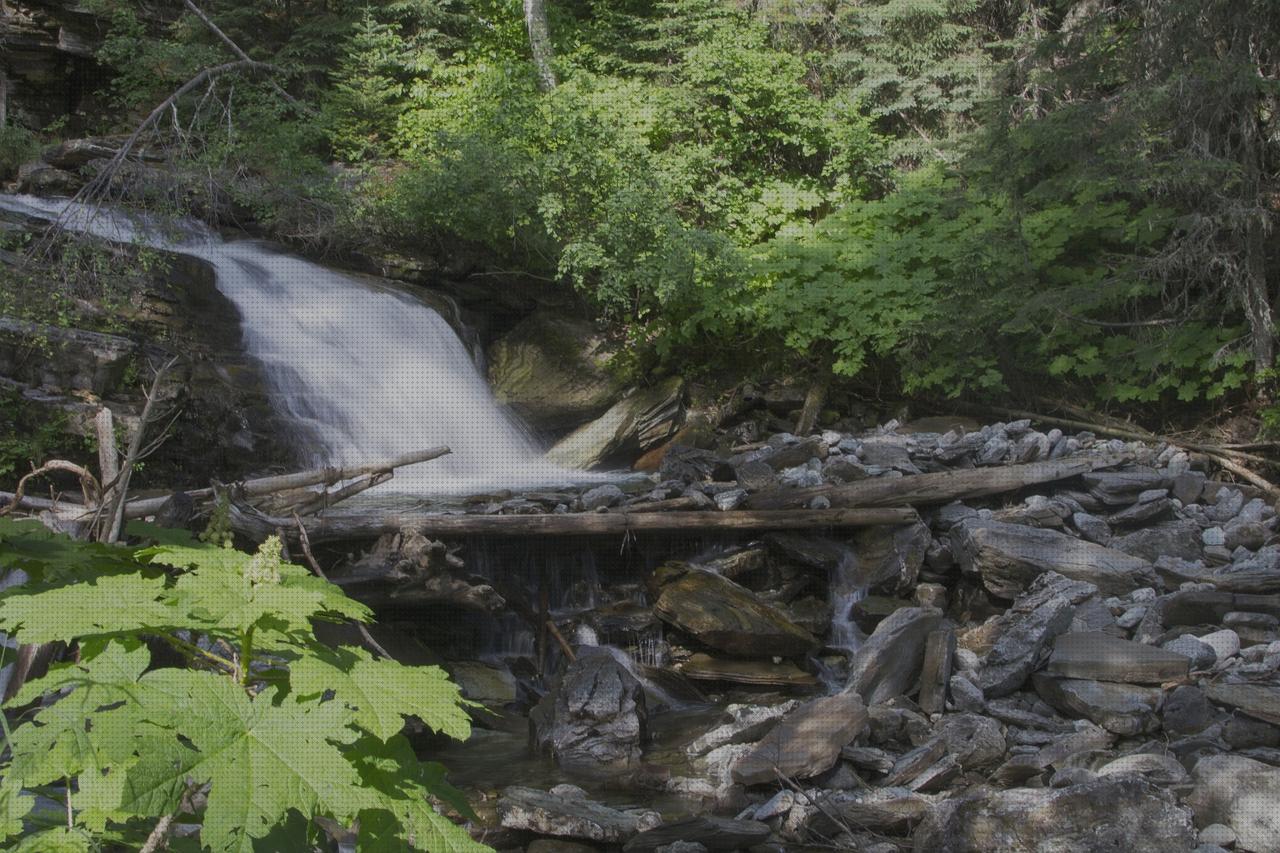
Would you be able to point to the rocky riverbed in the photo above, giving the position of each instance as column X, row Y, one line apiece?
column 1086, row 664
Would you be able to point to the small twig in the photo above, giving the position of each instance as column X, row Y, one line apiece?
column 305, row 542
column 564, row 645
column 159, row 834
column 836, row 819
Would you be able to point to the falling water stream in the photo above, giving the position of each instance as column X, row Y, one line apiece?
column 361, row 371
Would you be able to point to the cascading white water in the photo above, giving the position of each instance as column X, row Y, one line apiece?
column 364, row 372
column 845, row 593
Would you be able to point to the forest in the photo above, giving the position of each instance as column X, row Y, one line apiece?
column 810, row 425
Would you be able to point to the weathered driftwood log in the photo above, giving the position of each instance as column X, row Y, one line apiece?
column 300, row 479
column 254, row 525
column 938, row 488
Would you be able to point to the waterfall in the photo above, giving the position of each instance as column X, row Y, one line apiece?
column 845, row 593
column 362, row 371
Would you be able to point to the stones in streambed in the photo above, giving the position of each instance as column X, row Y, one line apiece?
column 1113, row 813
column 891, row 811
column 1260, row 701
column 806, row 742
column 1252, row 573
column 1007, row 557
column 593, row 721
column 726, row 616
column 888, row 663
column 566, row 812
column 745, row 724
column 712, row 833
column 1025, row 632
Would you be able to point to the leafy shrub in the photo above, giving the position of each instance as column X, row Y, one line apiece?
column 17, row 146
column 265, row 731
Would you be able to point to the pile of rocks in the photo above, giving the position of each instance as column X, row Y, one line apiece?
column 1088, row 664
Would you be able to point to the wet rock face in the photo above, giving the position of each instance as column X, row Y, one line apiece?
column 729, row 617
column 889, row 662
column 551, row 370
column 593, row 721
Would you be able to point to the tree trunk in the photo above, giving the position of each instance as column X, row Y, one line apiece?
column 535, row 19
column 814, row 399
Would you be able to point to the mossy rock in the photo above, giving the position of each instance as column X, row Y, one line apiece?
column 551, row 371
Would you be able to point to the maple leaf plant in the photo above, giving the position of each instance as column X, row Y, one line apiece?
column 263, row 736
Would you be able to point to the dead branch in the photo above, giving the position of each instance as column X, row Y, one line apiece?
column 88, row 483
column 116, row 503
column 937, row 488
column 240, row 54
column 305, row 542
column 100, row 181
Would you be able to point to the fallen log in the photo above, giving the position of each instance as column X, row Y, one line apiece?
column 301, row 479
column 943, row 487
column 247, row 522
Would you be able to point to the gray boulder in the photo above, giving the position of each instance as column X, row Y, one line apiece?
column 888, row 663
column 1009, row 556
column 727, row 616
column 1025, row 632
column 1117, row 813
column 1124, row 709
column 551, row 370
column 594, row 720
column 1107, row 658
column 806, row 742
column 1242, row 794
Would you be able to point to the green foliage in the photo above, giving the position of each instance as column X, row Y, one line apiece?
column 280, row 728
column 17, row 146
column 27, row 435
column 365, row 97
column 710, row 174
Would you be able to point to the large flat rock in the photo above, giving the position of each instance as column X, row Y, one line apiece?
column 1259, row 701
column 1124, row 709
column 565, row 812
column 888, row 663
column 806, row 742
column 1009, row 556
column 1095, row 655
column 730, row 617
column 1118, row 813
